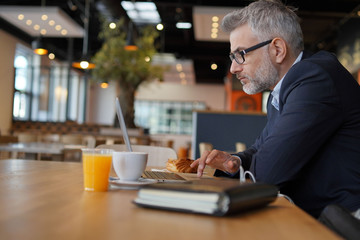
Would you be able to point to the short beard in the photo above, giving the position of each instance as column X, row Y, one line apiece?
column 266, row 76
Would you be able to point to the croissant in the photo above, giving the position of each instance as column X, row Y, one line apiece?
column 181, row 165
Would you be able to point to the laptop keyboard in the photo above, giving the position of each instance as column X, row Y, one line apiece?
column 162, row 175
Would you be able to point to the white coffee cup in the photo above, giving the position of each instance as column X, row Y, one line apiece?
column 129, row 166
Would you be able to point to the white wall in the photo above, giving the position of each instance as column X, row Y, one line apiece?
column 7, row 50
column 212, row 94
column 101, row 102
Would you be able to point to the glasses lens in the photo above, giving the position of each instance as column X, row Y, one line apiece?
column 237, row 56
column 232, row 57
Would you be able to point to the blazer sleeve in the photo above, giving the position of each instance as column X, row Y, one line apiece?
column 308, row 99
column 247, row 155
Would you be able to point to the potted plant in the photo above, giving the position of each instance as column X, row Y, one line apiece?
column 128, row 68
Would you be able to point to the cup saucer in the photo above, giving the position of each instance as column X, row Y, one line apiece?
column 132, row 184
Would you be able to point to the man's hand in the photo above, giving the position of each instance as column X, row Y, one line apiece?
column 217, row 159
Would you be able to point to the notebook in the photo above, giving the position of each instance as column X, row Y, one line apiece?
column 157, row 175
column 217, row 197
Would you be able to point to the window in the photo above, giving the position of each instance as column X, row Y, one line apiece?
column 22, row 94
column 166, row 116
column 46, row 93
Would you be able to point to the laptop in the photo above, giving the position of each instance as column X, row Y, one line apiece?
column 157, row 175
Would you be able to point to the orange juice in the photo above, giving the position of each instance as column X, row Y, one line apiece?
column 96, row 168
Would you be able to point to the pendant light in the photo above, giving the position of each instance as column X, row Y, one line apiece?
column 84, row 62
column 130, row 44
column 38, row 47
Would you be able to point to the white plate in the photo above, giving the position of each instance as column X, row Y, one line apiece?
column 133, row 184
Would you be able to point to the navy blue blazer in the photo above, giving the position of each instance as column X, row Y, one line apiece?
column 310, row 148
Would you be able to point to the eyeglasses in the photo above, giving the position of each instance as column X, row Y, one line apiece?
column 239, row 56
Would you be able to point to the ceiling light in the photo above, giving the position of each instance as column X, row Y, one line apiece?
column 182, row 75
column 215, row 18
column 130, row 43
column 160, row 27
column 104, row 85
column 141, row 12
column 38, row 47
column 51, row 56
column 83, row 64
column 64, row 32
column 133, row 14
column 215, row 25
column 214, row 66
column 112, row 25
column 40, row 51
column 183, row 25
column 179, row 67
column 127, row 5
column 145, row 6
column 214, row 29
column 44, row 18
column 84, row 61
column 203, row 20
column 72, row 6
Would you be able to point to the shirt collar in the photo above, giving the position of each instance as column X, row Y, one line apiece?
column 276, row 92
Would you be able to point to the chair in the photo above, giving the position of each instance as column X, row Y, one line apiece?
column 240, row 147
column 7, row 139
column 71, row 139
column 89, row 141
column 205, row 146
column 50, row 138
column 158, row 156
column 341, row 221
column 72, row 154
column 27, row 137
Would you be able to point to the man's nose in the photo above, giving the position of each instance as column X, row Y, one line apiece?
column 235, row 67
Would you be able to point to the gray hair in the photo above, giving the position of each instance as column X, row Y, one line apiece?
column 268, row 19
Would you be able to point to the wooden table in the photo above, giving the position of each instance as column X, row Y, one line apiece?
column 45, row 200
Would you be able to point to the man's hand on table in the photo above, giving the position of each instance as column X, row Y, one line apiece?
column 217, row 159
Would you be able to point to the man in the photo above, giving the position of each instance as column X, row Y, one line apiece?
column 310, row 146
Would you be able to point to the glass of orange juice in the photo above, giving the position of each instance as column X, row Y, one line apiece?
column 96, row 167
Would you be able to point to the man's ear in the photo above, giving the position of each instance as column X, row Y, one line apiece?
column 278, row 50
